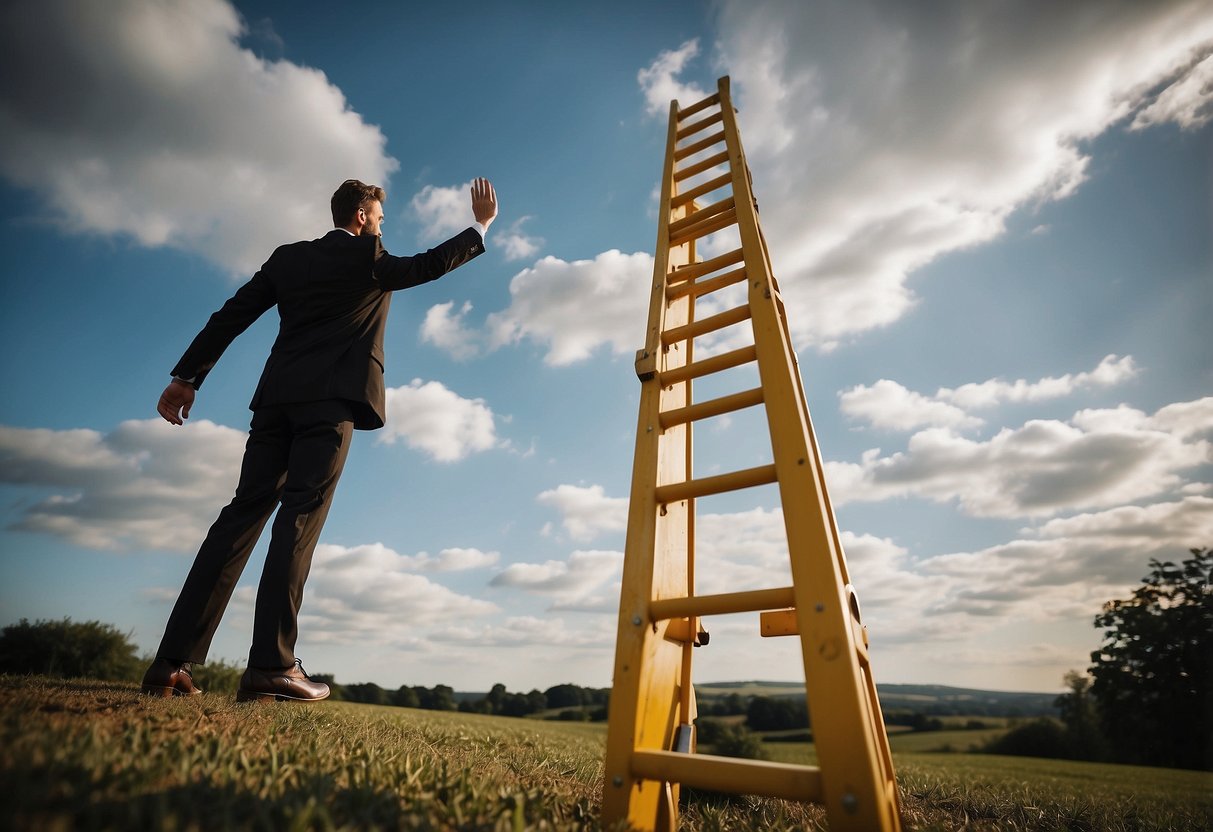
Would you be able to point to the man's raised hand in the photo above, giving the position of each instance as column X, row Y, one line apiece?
column 484, row 202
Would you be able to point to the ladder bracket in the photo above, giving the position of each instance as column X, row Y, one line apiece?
column 779, row 623
column 646, row 364
column 684, row 631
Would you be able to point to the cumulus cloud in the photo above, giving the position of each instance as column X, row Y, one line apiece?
column 1112, row 370
column 886, row 404
column 447, row 560
column 660, row 83
column 443, row 211
column 587, row 511
column 372, row 592
column 573, row 584
column 549, row 299
column 917, row 130
column 1188, row 101
column 1071, row 565
column 151, row 121
column 146, row 484
column 515, row 243
column 527, row 631
column 429, row 417
column 1060, row 571
column 1100, row 458
column 447, row 331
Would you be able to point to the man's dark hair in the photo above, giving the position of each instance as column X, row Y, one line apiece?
column 351, row 196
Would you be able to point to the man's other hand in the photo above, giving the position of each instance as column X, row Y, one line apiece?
column 175, row 402
column 484, row 202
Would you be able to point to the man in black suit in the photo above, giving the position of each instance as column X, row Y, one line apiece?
column 322, row 381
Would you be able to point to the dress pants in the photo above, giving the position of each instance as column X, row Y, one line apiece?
column 294, row 455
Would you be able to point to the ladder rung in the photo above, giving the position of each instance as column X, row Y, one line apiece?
column 699, row 106
column 715, row 364
column 710, row 408
column 694, row 270
column 700, row 190
column 704, row 227
column 692, row 129
column 699, row 167
column 693, row 148
column 696, row 328
column 730, row 774
column 698, row 288
column 732, row 481
column 702, row 214
column 754, row 600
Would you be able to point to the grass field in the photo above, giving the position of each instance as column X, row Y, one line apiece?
column 90, row 755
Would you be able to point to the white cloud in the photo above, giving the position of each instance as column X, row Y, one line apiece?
column 516, row 244
column 448, row 560
column 886, row 404
column 429, row 417
column 660, row 84
column 573, row 584
column 550, row 303
column 1188, row 101
column 447, row 331
column 372, row 592
column 916, row 132
column 1100, row 458
column 529, row 632
column 1072, row 565
column 587, row 511
column 152, row 122
column 1112, row 370
column 146, row 484
column 1059, row 572
column 443, row 211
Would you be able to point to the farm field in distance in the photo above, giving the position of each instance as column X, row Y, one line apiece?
column 98, row 755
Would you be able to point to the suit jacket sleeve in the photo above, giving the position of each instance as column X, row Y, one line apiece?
column 392, row 272
column 235, row 316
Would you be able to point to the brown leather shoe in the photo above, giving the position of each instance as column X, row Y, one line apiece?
column 168, row 678
column 266, row 684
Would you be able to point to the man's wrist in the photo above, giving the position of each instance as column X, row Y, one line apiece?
column 188, row 382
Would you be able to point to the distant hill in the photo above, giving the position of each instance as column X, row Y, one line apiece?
column 937, row 700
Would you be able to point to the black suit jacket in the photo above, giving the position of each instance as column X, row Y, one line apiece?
column 333, row 296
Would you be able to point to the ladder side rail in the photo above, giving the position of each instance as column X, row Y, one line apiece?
column 845, row 739
column 645, row 663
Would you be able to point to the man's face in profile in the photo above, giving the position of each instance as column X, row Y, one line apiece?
column 374, row 218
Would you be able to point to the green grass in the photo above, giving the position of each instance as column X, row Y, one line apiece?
column 91, row 755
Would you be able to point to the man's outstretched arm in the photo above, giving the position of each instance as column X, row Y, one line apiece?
column 395, row 273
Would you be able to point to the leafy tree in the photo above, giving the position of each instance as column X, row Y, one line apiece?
column 728, row 739
column 368, row 692
column 1153, row 676
column 1080, row 715
column 68, row 649
column 565, row 696
column 1043, row 737
column 766, row 713
column 406, row 697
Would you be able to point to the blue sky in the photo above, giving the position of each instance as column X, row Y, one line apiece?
column 991, row 227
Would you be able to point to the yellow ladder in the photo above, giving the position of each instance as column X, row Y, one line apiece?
column 651, row 738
